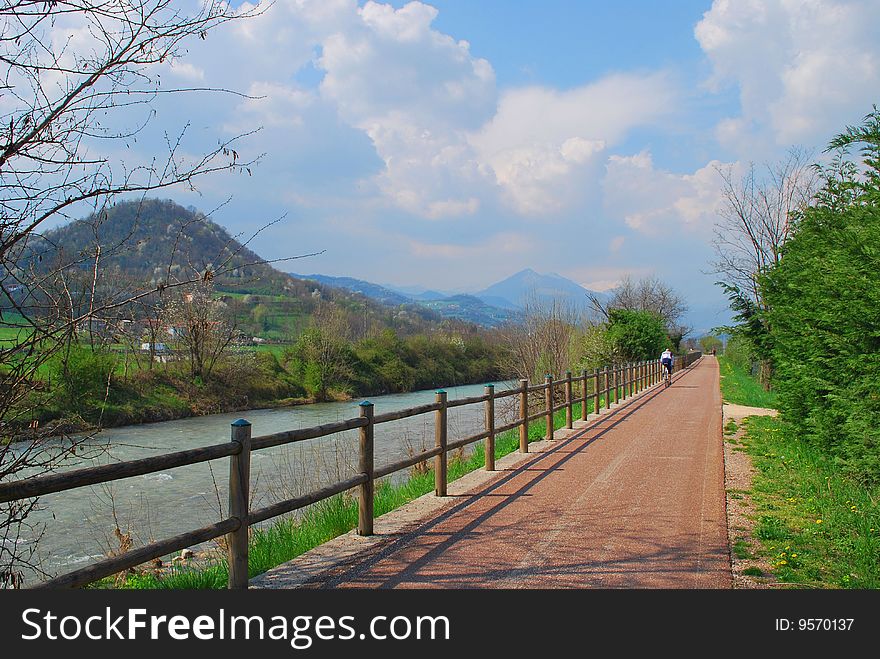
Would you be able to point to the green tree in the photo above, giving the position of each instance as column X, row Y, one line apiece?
column 710, row 342
column 824, row 310
column 637, row 335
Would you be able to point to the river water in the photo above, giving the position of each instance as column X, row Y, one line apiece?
column 77, row 526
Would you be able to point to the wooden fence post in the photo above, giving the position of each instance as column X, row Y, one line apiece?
column 366, row 466
column 490, row 427
column 239, row 487
column 630, row 371
column 440, row 441
column 616, row 371
column 596, row 390
column 568, row 409
column 548, row 399
column 524, row 415
column 607, row 390
column 584, row 392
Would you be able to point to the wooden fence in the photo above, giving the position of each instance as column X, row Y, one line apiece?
column 610, row 384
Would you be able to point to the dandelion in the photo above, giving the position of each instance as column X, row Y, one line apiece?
column 818, row 521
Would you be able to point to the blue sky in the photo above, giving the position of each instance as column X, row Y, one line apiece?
column 450, row 144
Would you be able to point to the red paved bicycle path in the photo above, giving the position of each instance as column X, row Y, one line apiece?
column 634, row 500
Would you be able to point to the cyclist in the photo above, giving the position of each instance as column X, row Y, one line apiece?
column 666, row 359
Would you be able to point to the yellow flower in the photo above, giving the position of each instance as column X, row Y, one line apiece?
column 818, row 521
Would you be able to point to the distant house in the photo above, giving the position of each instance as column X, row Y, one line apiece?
column 157, row 347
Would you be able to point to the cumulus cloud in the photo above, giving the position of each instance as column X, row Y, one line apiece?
column 651, row 201
column 801, row 67
column 542, row 143
column 449, row 146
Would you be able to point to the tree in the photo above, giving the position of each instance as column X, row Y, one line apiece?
column 756, row 219
column 646, row 294
column 823, row 310
column 69, row 106
column 201, row 326
column 710, row 342
column 542, row 342
column 637, row 335
column 324, row 353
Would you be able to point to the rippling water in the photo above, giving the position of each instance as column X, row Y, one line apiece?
column 78, row 524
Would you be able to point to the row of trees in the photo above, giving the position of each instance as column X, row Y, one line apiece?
column 813, row 315
column 637, row 322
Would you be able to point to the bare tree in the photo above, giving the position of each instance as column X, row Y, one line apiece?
column 201, row 327
column 756, row 218
column 542, row 342
column 645, row 294
column 66, row 103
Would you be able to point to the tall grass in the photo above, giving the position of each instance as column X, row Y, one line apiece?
column 739, row 387
column 288, row 537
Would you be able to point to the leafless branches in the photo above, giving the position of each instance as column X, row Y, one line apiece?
column 645, row 294
column 756, row 217
column 77, row 84
column 541, row 344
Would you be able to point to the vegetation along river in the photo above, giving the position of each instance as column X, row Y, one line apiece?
column 78, row 525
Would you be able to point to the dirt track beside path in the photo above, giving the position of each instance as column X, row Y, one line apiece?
column 633, row 500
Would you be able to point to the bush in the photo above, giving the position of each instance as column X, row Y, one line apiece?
column 81, row 377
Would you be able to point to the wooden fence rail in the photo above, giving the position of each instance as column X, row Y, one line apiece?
column 612, row 382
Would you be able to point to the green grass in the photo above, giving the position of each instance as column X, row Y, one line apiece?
column 288, row 537
column 739, row 387
column 814, row 526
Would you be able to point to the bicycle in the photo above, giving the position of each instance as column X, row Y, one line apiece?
column 667, row 377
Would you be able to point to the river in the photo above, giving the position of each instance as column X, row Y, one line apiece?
column 78, row 525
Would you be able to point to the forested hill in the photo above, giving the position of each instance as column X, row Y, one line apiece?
column 153, row 241
column 158, row 240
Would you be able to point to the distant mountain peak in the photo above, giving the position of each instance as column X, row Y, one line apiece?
column 515, row 290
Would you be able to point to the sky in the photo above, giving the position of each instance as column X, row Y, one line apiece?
column 450, row 144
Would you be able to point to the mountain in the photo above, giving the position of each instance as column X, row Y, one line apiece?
column 459, row 307
column 471, row 309
column 379, row 293
column 153, row 241
column 418, row 292
column 516, row 290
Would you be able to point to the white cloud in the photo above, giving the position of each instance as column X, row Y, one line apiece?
column 447, row 145
column 653, row 201
column 801, row 66
column 541, row 143
column 187, row 71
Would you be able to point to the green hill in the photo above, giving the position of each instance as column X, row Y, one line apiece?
column 152, row 241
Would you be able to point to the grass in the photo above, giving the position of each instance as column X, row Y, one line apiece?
column 816, row 527
column 288, row 537
column 739, row 387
